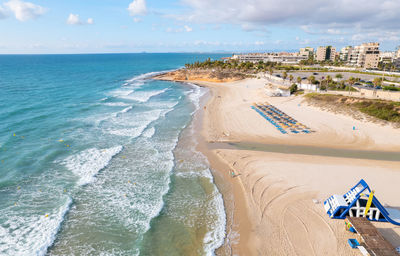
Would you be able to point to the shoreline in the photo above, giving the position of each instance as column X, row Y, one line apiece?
column 238, row 223
column 275, row 192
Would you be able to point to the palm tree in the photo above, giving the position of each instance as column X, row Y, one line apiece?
column 311, row 79
column 377, row 81
column 339, row 76
column 284, row 75
column 270, row 71
column 351, row 81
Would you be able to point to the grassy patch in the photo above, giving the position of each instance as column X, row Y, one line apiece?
column 381, row 109
column 391, row 88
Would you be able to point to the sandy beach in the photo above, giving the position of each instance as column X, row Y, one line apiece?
column 278, row 192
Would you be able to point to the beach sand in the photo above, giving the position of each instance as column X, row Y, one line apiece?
column 278, row 196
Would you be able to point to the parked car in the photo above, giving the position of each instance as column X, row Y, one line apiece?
column 315, row 74
column 278, row 75
column 378, row 87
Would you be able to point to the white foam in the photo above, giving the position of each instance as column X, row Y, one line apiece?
column 116, row 104
column 128, row 132
column 142, row 96
column 89, row 162
column 215, row 237
column 120, row 92
column 196, row 94
column 134, row 126
column 126, row 109
column 148, row 133
column 31, row 235
column 140, row 78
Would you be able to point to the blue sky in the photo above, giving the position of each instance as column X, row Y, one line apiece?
column 89, row 26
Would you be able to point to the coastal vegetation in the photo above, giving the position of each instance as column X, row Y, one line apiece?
column 381, row 109
column 270, row 67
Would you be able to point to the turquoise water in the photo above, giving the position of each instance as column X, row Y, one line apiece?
column 95, row 159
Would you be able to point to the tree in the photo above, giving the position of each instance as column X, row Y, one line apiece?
column 377, row 81
column 339, row 76
column 299, row 80
column 284, row 75
column 293, row 88
column 311, row 79
column 291, row 78
column 351, row 81
column 270, row 71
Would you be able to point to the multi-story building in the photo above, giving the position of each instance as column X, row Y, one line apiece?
column 397, row 60
column 283, row 57
column 307, row 51
column 397, row 63
column 345, row 53
column 387, row 57
column 325, row 53
column 365, row 55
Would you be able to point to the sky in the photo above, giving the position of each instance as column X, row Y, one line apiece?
column 121, row 26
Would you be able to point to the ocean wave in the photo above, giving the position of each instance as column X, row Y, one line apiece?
column 116, row 104
column 120, row 92
column 135, row 126
column 128, row 132
column 139, row 79
column 196, row 94
column 164, row 104
column 148, row 133
column 89, row 162
column 216, row 236
column 32, row 235
column 142, row 96
column 125, row 110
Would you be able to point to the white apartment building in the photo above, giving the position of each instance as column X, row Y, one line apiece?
column 307, row 51
column 326, row 53
column 387, row 57
column 365, row 55
column 345, row 53
column 285, row 58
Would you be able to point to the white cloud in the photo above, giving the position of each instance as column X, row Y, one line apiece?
column 185, row 28
column 137, row 7
column 73, row 19
column 136, row 19
column 333, row 31
column 327, row 17
column 24, row 11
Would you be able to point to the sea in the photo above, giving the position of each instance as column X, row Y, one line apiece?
column 96, row 158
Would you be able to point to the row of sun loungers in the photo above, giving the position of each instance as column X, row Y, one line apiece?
column 283, row 122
